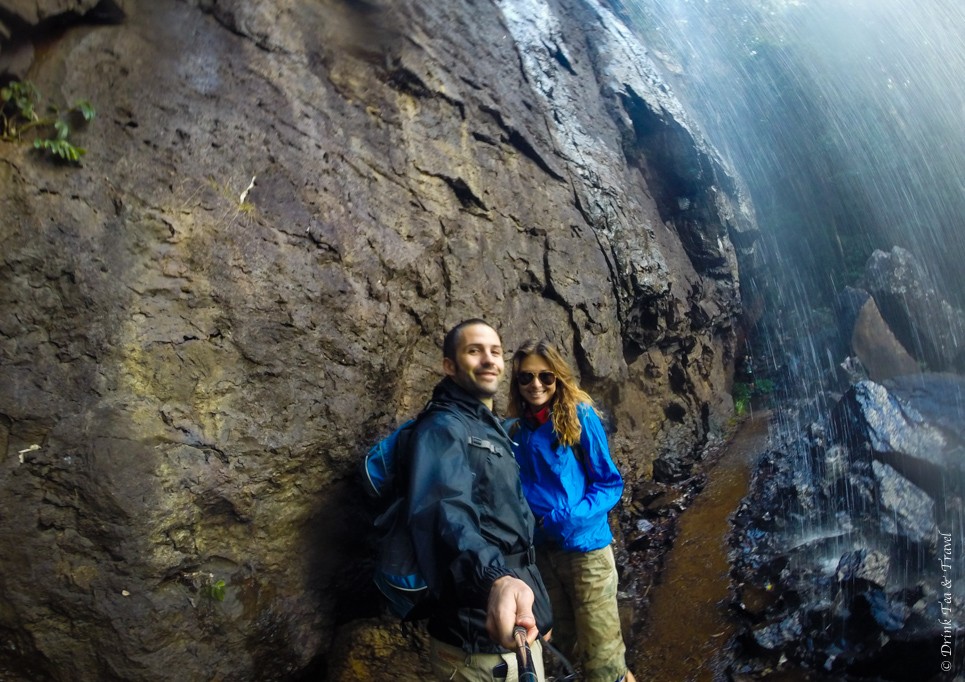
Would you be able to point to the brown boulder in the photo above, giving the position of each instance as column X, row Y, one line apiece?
column 876, row 346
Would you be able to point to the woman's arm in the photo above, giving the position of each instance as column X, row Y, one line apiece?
column 603, row 482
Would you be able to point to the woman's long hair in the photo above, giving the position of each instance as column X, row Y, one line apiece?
column 568, row 396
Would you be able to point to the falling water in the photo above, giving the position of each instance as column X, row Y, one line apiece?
column 845, row 119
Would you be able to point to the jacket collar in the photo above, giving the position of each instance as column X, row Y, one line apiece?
column 449, row 391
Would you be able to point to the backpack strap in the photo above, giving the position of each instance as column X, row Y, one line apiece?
column 482, row 443
column 405, row 438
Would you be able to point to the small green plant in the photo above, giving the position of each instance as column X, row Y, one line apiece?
column 19, row 101
column 204, row 584
column 743, row 392
column 763, row 387
column 742, row 397
column 215, row 590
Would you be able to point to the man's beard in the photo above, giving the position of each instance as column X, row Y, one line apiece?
column 469, row 382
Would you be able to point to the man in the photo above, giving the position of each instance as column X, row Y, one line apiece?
column 470, row 524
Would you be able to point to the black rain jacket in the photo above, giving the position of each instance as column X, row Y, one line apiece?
column 469, row 520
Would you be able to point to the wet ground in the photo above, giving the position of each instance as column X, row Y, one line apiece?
column 688, row 626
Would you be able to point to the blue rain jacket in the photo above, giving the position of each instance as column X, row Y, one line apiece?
column 570, row 496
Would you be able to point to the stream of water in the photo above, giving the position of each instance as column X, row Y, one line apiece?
column 689, row 626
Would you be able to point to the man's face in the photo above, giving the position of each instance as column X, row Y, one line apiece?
column 479, row 362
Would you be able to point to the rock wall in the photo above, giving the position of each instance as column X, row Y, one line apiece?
column 282, row 208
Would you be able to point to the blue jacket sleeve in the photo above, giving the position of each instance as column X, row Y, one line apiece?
column 455, row 558
column 604, row 485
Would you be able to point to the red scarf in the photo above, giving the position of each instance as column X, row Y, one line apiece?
column 539, row 417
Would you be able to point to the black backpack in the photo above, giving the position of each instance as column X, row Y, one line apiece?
column 397, row 573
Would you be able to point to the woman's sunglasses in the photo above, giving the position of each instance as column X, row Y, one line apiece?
column 545, row 378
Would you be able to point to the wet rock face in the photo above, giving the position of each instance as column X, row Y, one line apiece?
column 911, row 423
column 852, row 532
column 282, row 208
column 896, row 323
column 927, row 325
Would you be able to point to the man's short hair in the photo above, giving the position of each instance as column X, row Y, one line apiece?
column 452, row 336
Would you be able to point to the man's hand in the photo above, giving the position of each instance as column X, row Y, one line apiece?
column 510, row 604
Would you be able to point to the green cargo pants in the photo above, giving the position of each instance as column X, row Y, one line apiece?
column 586, row 621
column 452, row 663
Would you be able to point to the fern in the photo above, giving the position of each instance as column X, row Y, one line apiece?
column 62, row 148
column 19, row 98
column 18, row 115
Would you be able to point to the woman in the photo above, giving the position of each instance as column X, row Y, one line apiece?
column 571, row 484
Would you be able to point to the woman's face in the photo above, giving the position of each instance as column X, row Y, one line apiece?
column 536, row 393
